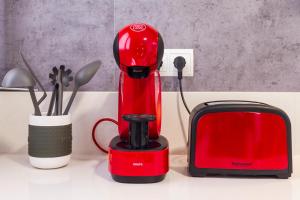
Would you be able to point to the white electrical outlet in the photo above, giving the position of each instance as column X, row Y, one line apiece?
column 168, row 69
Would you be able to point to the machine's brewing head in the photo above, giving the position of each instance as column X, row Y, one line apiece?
column 138, row 50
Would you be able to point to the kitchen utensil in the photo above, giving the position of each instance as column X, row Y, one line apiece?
column 82, row 77
column 239, row 138
column 52, row 101
column 60, row 91
column 56, row 100
column 53, row 75
column 66, row 79
column 35, row 77
column 20, row 77
column 66, row 76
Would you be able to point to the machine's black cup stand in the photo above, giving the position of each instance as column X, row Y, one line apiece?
column 138, row 130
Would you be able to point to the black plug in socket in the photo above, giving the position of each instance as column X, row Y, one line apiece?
column 179, row 63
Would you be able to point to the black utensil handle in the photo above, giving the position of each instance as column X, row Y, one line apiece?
column 60, row 101
column 52, row 101
column 70, row 101
column 60, row 91
column 56, row 102
column 34, row 102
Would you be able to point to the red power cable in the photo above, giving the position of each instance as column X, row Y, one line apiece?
column 94, row 132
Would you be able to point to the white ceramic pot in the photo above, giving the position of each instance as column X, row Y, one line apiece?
column 50, row 141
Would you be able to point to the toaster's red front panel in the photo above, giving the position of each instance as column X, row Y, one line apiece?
column 241, row 140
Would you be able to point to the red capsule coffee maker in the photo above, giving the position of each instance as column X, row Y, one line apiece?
column 139, row 154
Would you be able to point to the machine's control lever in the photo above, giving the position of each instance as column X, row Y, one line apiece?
column 138, row 129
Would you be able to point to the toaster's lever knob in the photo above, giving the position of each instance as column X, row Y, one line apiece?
column 138, row 129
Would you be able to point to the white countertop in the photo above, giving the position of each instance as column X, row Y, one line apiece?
column 87, row 178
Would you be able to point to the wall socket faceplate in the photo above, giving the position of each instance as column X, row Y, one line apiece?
column 168, row 68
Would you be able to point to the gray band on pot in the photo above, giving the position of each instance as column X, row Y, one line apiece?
column 50, row 141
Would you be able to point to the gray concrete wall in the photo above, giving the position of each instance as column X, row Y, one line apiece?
column 2, row 36
column 240, row 45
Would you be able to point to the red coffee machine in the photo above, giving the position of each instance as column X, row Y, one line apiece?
column 139, row 154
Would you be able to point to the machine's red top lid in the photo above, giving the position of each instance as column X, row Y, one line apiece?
column 138, row 45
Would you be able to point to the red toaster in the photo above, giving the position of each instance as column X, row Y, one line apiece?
column 239, row 138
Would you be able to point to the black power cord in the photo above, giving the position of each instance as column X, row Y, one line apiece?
column 179, row 63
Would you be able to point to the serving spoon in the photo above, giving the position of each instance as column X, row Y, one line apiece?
column 21, row 78
column 82, row 77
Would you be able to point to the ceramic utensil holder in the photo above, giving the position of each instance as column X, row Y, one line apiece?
column 50, row 141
